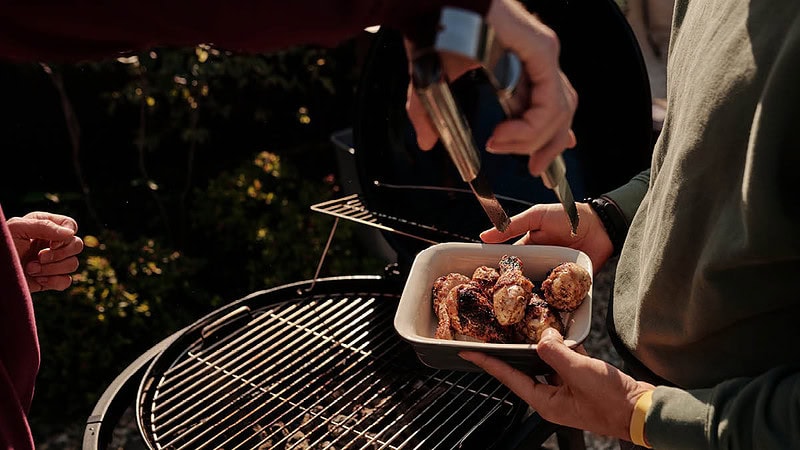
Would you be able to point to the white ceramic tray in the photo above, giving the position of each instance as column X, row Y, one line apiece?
column 415, row 320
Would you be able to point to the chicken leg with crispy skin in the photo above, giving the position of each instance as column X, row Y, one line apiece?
column 539, row 316
column 511, row 292
column 441, row 290
column 471, row 314
column 486, row 277
column 566, row 286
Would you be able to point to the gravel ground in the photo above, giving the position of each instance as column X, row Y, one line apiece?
column 126, row 435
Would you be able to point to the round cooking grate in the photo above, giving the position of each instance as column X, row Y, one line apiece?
column 315, row 371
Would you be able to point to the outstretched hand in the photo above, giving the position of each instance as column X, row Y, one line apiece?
column 47, row 249
column 589, row 394
column 548, row 224
column 544, row 129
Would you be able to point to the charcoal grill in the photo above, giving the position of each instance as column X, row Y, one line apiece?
column 317, row 363
column 319, row 370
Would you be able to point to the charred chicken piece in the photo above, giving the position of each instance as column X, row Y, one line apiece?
column 539, row 316
column 443, row 328
column 471, row 314
column 566, row 286
column 486, row 277
column 511, row 292
column 444, row 284
column 441, row 289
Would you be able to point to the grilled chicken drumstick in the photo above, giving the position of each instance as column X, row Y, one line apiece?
column 501, row 307
column 441, row 289
column 539, row 316
column 471, row 313
column 486, row 277
column 566, row 286
column 511, row 292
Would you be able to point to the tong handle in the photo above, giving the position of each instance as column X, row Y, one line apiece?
column 434, row 93
column 465, row 35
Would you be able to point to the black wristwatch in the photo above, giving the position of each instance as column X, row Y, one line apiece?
column 613, row 220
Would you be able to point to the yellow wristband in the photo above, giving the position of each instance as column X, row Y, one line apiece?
column 637, row 419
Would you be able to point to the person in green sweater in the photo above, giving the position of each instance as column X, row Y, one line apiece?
column 705, row 304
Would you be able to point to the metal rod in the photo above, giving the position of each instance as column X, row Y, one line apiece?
column 429, row 407
column 322, row 257
column 354, row 204
column 453, row 427
column 250, row 348
column 213, row 347
column 324, row 323
column 275, row 400
column 382, row 362
column 203, row 361
column 319, row 354
column 408, row 410
column 291, row 398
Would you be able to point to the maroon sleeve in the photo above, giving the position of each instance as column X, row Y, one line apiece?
column 66, row 30
column 19, row 347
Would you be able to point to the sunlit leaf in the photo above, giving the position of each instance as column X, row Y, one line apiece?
column 134, row 59
column 90, row 241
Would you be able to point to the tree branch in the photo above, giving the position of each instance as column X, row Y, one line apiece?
column 74, row 130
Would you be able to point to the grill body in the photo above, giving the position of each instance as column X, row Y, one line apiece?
column 322, row 369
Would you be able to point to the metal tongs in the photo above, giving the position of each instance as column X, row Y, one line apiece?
column 464, row 39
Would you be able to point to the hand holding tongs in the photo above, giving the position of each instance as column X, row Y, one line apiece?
column 464, row 38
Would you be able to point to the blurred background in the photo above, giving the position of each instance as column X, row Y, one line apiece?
column 190, row 172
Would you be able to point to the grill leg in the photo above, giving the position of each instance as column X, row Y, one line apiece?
column 534, row 431
column 570, row 439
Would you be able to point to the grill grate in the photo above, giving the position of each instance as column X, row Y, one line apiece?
column 352, row 208
column 320, row 372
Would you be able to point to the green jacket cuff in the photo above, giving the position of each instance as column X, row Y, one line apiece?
column 677, row 419
column 629, row 196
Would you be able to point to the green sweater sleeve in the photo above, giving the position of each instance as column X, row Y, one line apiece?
column 629, row 196
column 742, row 413
column 617, row 208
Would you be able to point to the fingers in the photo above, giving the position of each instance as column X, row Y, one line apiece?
column 58, row 261
column 426, row 133
column 541, row 133
column 61, row 250
column 64, row 221
column 538, row 162
column 44, row 229
column 546, row 125
column 62, row 267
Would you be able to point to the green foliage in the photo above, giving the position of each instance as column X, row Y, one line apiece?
column 255, row 226
column 125, row 297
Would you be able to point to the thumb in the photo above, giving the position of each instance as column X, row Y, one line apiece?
column 555, row 353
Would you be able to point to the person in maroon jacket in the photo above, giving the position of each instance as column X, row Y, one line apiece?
column 38, row 253
column 73, row 30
